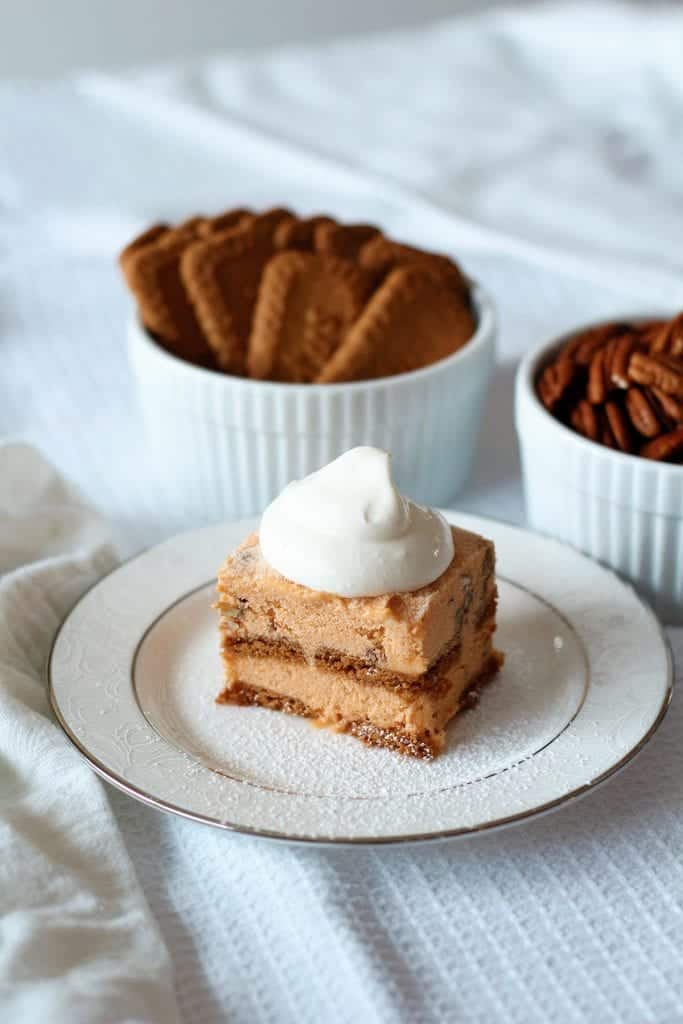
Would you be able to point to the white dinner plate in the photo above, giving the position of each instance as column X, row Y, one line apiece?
column 135, row 670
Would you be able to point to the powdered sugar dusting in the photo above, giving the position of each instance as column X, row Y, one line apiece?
column 178, row 676
column 222, row 764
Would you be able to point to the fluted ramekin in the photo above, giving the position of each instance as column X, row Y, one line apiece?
column 226, row 446
column 624, row 511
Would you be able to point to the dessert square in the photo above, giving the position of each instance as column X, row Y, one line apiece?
column 392, row 669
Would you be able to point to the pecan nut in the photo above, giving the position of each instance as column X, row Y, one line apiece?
column 584, row 420
column 584, row 346
column 624, row 347
column 666, row 447
column 596, row 391
column 621, row 385
column 648, row 330
column 659, row 371
column 670, row 407
column 555, row 381
column 642, row 413
column 669, row 338
column 606, row 436
column 620, row 426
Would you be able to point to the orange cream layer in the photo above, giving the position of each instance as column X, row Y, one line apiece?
column 403, row 633
column 342, row 699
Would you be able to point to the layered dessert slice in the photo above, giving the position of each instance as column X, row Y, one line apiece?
column 390, row 666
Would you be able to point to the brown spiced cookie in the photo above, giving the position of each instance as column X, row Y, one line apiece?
column 299, row 232
column 197, row 286
column 413, row 319
column 151, row 266
column 237, row 217
column 148, row 237
column 380, row 255
column 343, row 240
column 222, row 273
column 306, row 303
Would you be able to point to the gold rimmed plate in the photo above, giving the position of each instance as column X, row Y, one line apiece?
column 135, row 670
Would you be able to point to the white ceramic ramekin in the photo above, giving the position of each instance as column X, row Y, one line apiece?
column 622, row 510
column 226, row 446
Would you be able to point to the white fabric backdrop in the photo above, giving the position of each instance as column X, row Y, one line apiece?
column 77, row 942
column 544, row 148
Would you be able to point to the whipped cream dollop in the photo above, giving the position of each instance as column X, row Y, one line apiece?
column 347, row 530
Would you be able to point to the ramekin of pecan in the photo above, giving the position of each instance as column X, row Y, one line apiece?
column 600, row 422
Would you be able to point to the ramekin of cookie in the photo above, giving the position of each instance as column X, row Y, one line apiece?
column 600, row 422
column 264, row 345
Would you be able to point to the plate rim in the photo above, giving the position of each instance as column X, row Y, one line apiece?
column 433, row 836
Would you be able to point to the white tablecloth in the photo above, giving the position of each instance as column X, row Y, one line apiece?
column 544, row 147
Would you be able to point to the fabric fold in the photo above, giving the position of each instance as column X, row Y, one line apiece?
column 77, row 940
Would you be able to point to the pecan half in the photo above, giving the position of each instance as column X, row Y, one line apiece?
column 620, row 426
column 669, row 338
column 555, row 381
column 606, row 435
column 650, row 329
column 584, row 346
column 671, row 407
column 621, row 353
column 642, row 413
column 666, row 447
column 596, row 391
column 657, row 371
column 584, row 420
